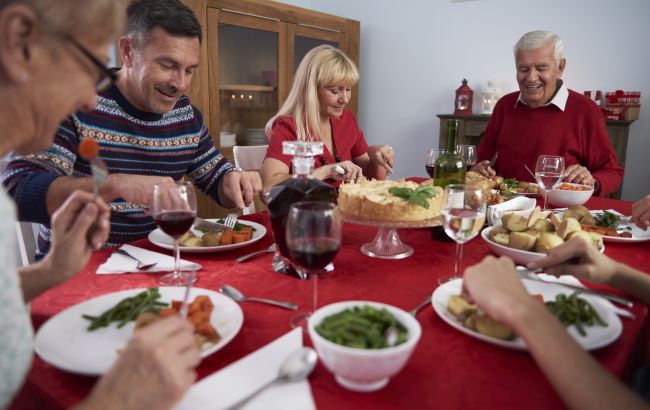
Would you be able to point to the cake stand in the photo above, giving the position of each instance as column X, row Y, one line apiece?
column 387, row 244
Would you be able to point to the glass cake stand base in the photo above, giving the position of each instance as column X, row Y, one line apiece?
column 387, row 244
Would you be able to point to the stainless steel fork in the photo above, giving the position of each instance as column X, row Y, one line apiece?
column 231, row 221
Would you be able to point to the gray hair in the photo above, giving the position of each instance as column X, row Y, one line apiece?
column 534, row 40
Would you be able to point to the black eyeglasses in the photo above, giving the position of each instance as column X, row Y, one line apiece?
column 107, row 77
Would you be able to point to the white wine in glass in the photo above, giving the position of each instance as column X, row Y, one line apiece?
column 549, row 172
column 463, row 217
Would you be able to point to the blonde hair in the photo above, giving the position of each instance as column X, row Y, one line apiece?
column 96, row 21
column 322, row 66
column 534, row 40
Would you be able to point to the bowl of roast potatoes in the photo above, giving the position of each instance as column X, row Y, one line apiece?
column 525, row 239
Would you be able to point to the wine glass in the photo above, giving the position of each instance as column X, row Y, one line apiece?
column 313, row 237
column 463, row 215
column 549, row 172
column 469, row 153
column 430, row 161
column 174, row 210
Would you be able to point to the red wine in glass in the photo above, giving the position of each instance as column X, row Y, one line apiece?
column 175, row 223
column 313, row 253
column 430, row 168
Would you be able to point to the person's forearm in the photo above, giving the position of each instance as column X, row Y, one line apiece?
column 577, row 378
column 269, row 181
column 62, row 187
column 36, row 278
column 632, row 281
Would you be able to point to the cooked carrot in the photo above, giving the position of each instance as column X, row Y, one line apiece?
column 538, row 297
column 227, row 237
column 239, row 237
column 88, row 149
column 168, row 312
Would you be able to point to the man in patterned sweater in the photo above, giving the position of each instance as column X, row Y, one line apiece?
column 148, row 133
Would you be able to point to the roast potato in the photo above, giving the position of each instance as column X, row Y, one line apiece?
column 490, row 327
column 514, row 222
column 459, row 307
column 588, row 220
column 192, row 242
column 521, row 240
column 542, row 225
column 546, row 241
column 211, row 238
column 567, row 226
column 576, row 211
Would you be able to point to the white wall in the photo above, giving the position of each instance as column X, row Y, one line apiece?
column 414, row 54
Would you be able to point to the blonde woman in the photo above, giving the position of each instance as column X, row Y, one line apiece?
column 315, row 111
column 52, row 57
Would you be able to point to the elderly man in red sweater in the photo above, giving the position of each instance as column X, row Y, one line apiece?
column 545, row 117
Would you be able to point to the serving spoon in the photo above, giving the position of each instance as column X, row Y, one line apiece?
column 296, row 367
column 237, row 296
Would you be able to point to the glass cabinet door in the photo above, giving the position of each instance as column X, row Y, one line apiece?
column 246, row 77
column 303, row 38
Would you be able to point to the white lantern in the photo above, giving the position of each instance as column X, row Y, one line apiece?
column 490, row 96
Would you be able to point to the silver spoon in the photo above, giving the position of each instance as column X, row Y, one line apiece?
column 141, row 265
column 296, row 367
column 246, row 257
column 237, row 296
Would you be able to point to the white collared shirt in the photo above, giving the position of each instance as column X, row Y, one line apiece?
column 559, row 100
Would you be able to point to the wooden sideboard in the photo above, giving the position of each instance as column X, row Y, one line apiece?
column 472, row 127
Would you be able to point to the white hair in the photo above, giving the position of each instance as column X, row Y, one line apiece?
column 534, row 40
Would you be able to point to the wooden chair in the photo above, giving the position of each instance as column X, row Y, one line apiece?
column 249, row 158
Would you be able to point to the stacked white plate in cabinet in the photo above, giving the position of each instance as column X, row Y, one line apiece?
column 227, row 139
column 255, row 136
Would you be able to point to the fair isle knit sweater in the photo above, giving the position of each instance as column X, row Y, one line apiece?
column 131, row 142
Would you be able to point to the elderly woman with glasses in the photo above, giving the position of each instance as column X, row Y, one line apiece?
column 51, row 64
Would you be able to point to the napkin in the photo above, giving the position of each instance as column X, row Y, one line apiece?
column 519, row 205
column 236, row 381
column 118, row 263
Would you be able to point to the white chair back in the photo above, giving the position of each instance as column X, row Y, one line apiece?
column 27, row 235
column 249, row 158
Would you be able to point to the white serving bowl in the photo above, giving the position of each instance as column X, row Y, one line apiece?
column 363, row 370
column 518, row 256
column 565, row 198
column 520, row 205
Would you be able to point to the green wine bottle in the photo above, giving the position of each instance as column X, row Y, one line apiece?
column 450, row 166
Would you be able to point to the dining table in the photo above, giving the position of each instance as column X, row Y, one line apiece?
column 448, row 369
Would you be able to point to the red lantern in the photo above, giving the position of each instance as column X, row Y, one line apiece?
column 464, row 97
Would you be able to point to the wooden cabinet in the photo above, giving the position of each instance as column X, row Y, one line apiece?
column 472, row 127
column 249, row 54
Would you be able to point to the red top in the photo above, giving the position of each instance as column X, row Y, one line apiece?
column 347, row 137
column 520, row 134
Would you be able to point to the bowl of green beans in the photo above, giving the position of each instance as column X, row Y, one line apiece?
column 363, row 343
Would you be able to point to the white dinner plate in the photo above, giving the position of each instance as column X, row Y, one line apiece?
column 520, row 257
column 638, row 234
column 159, row 238
column 64, row 342
column 597, row 336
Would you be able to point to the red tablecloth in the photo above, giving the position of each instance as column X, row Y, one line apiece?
column 448, row 369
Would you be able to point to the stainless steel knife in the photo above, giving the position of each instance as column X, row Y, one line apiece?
column 205, row 225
